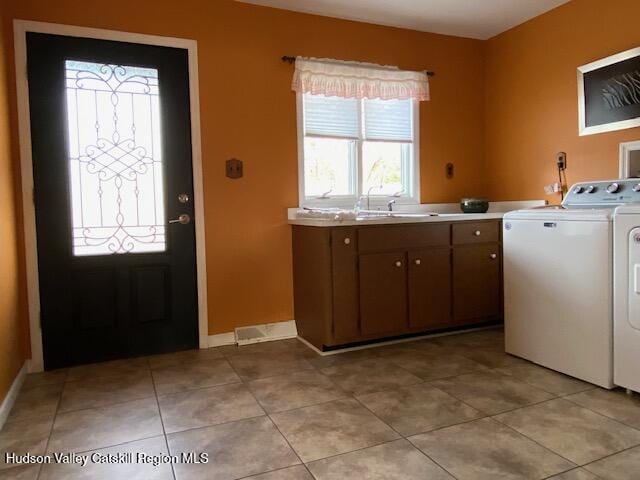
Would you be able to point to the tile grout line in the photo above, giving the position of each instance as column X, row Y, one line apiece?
column 353, row 451
column 353, row 396
column 556, row 394
column 164, row 430
column 53, row 422
column 128, row 442
column 106, row 405
column 403, row 437
column 492, row 416
column 549, row 449
column 575, row 469
column 245, row 382
column 429, row 457
column 349, row 395
column 586, row 465
column 484, row 412
column 595, row 411
column 538, row 443
column 196, row 389
column 297, row 408
column 274, row 424
column 252, row 475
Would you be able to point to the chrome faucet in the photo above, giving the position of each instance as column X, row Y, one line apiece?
column 390, row 204
column 325, row 195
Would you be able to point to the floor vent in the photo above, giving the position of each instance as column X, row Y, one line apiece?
column 246, row 335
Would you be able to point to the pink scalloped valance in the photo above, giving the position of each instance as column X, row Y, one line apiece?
column 335, row 78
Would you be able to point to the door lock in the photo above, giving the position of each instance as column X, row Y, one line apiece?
column 183, row 219
column 183, row 198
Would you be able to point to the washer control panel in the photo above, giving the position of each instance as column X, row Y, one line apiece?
column 609, row 192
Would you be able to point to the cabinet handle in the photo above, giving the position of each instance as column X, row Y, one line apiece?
column 477, row 233
column 398, row 264
column 347, row 241
column 418, row 261
column 493, row 256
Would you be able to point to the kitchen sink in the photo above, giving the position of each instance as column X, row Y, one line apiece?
column 373, row 214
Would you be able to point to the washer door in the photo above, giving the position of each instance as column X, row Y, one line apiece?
column 634, row 278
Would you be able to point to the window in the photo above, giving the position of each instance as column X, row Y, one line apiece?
column 115, row 161
column 351, row 148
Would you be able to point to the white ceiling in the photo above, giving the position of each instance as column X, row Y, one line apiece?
column 480, row 19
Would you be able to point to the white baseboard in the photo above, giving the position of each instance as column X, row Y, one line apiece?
column 221, row 339
column 10, row 399
column 255, row 334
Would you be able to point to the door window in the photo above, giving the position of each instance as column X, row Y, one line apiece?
column 115, row 161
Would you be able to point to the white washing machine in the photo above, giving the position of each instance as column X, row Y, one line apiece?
column 626, row 314
column 558, row 276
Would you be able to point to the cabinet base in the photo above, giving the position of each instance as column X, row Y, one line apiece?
column 413, row 335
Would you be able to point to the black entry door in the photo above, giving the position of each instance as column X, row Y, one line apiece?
column 110, row 127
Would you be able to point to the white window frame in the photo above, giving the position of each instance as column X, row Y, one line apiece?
column 348, row 201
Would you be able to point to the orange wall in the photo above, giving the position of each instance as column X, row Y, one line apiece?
column 531, row 97
column 248, row 112
column 12, row 319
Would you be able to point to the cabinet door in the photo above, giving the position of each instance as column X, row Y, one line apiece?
column 383, row 294
column 345, row 284
column 429, row 288
column 476, row 283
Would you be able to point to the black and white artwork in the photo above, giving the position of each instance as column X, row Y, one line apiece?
column 609, row 93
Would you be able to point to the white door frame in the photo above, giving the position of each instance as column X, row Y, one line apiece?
column 20, row 28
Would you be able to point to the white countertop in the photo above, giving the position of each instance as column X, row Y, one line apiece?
column 447, row 212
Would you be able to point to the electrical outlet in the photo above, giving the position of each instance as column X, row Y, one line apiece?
column 449, row 170
column 234, row 168
column 561, row 160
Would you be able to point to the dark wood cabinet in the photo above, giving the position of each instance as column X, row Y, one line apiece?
column 383, row 294
column 477, row 282
column 344, row 291
column 429, row 288
column 366, row 282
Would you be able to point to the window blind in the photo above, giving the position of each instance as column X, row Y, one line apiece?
column 388, row 120
column 331, row 116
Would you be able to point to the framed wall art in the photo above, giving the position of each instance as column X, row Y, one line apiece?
column 609, row 93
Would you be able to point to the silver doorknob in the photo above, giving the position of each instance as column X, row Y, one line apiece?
column 183, row 219
column 477, row 233
column 417, row 261
column 494, row 256
column 398, row 264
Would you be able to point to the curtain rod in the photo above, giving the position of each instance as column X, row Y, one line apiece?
column 290, row 59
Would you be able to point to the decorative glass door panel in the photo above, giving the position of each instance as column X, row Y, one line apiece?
column 115, row 159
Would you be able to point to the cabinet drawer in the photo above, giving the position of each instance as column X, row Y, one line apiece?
column 404, row 237
column 476, row 232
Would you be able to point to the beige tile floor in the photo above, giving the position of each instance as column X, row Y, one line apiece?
column 454, row 407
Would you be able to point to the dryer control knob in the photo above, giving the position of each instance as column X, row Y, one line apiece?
column 592, row 189
column 613, row 188
column 636, row 188
column 578, row 190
